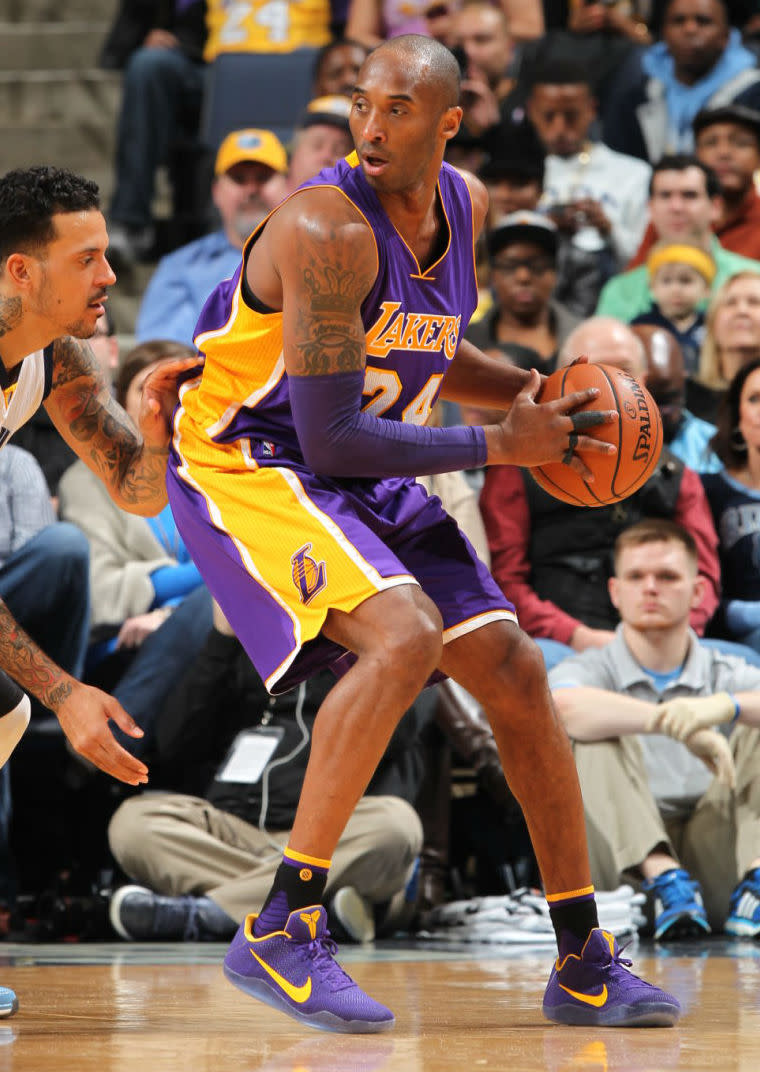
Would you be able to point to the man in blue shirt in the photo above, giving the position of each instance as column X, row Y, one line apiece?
column 247, row 185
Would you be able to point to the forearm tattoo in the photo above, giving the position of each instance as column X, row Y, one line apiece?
column 29, row 666
column 97, row 422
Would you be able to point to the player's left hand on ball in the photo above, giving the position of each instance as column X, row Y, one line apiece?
column 536, row 433
column 160, row 395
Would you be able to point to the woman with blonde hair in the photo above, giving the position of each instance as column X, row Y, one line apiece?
column 732, row 339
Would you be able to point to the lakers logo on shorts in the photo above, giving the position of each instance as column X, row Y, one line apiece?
column 309, row 576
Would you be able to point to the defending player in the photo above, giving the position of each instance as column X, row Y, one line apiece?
column 289, row 481
column 53, row 281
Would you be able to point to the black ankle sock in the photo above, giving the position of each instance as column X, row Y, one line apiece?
column 573, row 920
column 293, row 887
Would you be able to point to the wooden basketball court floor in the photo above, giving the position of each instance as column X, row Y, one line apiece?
column 168, row 1008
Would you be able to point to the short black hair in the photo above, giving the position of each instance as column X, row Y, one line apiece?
column 682, row 162
column 30, row 197
column 546, row 70
column 429, row 56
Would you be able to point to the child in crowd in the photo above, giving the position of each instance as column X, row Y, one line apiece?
column 680, row 278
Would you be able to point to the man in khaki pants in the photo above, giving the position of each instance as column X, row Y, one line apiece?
column 666, row 794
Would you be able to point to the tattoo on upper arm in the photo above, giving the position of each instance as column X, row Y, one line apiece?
column 95, row 420
column 329, row 335
column 10, row 314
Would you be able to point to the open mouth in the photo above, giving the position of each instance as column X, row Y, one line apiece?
column 373, row 163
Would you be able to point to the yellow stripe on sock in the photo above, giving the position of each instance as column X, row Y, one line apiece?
column 302, row 858
column 553, row 898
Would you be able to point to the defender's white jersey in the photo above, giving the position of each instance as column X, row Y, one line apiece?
column 21, row 395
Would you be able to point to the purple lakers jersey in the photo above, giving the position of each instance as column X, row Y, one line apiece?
column 414, row 320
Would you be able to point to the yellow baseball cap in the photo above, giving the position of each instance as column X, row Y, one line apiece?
column 256, row 146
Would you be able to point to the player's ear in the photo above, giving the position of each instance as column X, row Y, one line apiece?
column 17, row 269
column 450, row 122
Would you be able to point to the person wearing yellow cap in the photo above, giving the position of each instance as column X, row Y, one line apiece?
column 681, row 275
column 249, row 180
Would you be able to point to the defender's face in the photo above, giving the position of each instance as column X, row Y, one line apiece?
column 397, row 124
column 73, row 274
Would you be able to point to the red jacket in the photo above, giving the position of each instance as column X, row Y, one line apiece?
column 504, row 506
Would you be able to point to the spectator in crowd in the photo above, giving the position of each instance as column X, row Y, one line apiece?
column 526, row 324
column 684, row 203
column 150, row 609
column 244, row 190
column 680, row 277
column 687, row 435
column 160, row 47
column 643, row 713
column 336, row 67
column 699, row 63
column 250, row 27
column 484, row 47
column 734, row 497
column 40, row 436
column 732, row 340
column 322, row 138
column 374, row 21
column 200, row 855
column 44, row 584
column 555, row 559
column 727, row 140
column 597, row 197
column 515, row 177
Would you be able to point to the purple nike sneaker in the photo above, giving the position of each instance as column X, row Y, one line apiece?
column 596, row 989
column 293, row 970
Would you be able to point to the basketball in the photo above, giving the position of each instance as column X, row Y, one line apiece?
column 637, row 435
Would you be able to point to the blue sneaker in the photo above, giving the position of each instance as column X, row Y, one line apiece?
column 744, row 909
column 293, row 970
column 678, row 908
column 596, row 989
column 8, row 1002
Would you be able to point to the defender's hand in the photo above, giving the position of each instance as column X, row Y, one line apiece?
column 160, row 395
column 537, row 433
column 84, row 716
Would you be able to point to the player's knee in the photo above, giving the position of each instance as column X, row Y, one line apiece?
column 415, row 642
column 523, row 664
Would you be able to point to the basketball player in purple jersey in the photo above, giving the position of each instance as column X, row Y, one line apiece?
column 289, row 481
column 53, row 281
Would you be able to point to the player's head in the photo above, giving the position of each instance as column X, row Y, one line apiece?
column 656, row 582
column 53, row 244
column 404, row 111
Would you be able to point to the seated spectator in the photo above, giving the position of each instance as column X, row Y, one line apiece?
column 244, row 190
column 40, row 436
column 727, row 140
column 596, row 197
column 680, row 276
column 526, row 324
column 732, row 340
column 251, row 26
column 160, row 47
column 734, row 499
column 699, row 63
column 666, row 796
column 336, row 67
column 554, row 559
column 322, row 139
column 687, row 436
column 150, row 609
column 242, row 754
column 44, row 584
column 515, row 177
column 605, row 340
column 684, row 203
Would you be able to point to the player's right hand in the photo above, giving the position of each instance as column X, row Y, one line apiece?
column 84, row 716
column 539, row 433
